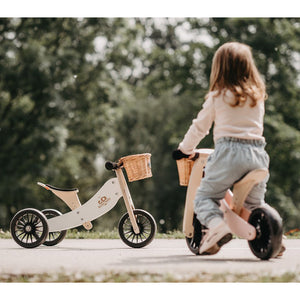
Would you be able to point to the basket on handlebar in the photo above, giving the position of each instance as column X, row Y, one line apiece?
column 137, row 166
column 184, row 167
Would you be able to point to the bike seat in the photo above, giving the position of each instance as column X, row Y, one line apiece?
column 48, row 186
column 242, row 188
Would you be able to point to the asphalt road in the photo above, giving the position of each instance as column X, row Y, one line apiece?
column 160, row 257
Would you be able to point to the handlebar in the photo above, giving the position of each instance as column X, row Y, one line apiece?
column 110, row 165
column 178, row 154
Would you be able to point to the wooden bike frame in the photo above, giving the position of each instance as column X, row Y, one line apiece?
column 102, row 202
column 235, row 215
column 127, row 200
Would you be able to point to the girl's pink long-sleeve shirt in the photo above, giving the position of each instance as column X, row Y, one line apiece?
column 243, row 122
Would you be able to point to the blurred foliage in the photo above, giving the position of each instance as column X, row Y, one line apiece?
column 77, row 92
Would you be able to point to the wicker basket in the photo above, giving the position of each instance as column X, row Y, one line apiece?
column 137, row 166
column 184, row 167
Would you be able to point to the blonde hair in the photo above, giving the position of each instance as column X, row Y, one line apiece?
column 233, row 68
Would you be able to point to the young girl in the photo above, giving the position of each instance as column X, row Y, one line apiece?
column 235, row 103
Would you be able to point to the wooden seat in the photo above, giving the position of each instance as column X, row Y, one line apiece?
column 242, row 188
column 69, row 196
column 62, row 190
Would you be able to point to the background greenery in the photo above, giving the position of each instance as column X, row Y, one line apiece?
column 77, row 92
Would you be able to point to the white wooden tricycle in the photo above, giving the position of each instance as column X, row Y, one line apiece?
column 30, row 227
column 262, row 227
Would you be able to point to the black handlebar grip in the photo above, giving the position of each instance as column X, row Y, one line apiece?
column 109, row 165
column 177, row 154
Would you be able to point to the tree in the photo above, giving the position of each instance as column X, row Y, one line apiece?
column 54, row 105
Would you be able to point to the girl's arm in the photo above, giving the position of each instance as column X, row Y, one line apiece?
column 199, row 128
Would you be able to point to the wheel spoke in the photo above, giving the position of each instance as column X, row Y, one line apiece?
column 31, row 217
column 30, row 236
column 21, row 221
column 131, row 234
column 36, row 220
column 19, row 227
column 128, row 231
column 21, row 234
column 35, row 235
column 39, row 228
column 145, row 236
column 143, row 221
column 53, row 235
column 24, row 236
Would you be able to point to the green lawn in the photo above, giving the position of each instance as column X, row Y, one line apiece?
column 113, row 234
column 107, row 234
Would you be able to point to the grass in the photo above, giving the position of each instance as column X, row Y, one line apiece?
column 106, row 234
column 113, row 234
column 117, row 277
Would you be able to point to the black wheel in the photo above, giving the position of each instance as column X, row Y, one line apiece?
column 29, row 228
column 56, row 237
column 193, row 243
column 146, row 224
column 269, row 230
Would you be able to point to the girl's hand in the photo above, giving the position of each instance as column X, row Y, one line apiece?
column 177, row 154
column 194, row 156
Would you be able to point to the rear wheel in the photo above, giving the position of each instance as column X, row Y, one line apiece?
column 56, row 237
column 29, row 228
column 268, row 225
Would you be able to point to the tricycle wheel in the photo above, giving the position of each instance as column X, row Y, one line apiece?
column 268, row 225
column 56, row 237
column 29, row 228
column 193, row 242
column 147, row 227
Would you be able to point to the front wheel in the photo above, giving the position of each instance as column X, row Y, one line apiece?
column 29, row 228
column 268, row 225
column 147, row 227
column 53, row 238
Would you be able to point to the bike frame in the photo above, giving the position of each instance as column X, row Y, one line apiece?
column 102, row 202
column 194, row 183
column 235, row 215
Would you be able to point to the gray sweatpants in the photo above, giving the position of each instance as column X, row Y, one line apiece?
column 232, row 159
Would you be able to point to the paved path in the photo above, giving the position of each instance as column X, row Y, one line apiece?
column 160, row 257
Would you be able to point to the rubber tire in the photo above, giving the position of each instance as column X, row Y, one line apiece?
column 193, row 243
column 123, row 235
column 50, row 213
column 41, row 218
column 268, row 224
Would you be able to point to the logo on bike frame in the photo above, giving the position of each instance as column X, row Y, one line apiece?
column 103, row 201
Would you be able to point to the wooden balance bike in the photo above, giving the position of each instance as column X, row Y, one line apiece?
column 31, row 227
column 262, row 227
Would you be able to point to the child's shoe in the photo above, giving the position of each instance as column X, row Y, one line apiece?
column 216, row 236
column 282, row 248
column 280, row 253
column 213, row 250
